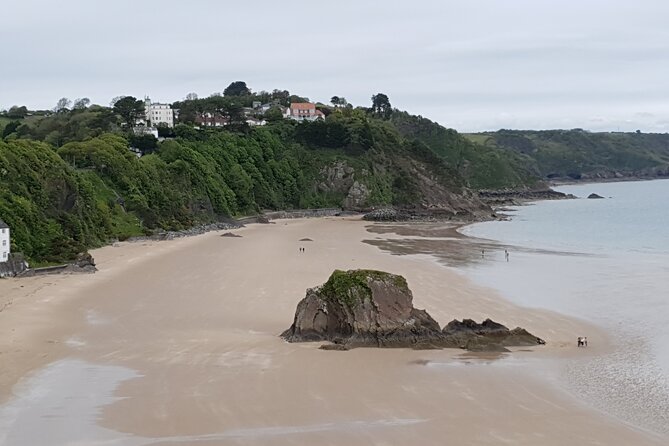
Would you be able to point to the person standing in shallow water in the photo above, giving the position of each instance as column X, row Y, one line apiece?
column 506, row 255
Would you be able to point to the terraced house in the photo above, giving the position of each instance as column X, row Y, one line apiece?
column 5, row 245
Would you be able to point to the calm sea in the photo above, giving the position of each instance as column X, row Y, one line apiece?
column 606, row 261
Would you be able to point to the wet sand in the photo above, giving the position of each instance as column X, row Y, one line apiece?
column 176, row 343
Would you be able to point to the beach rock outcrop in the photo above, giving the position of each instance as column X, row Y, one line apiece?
column 363, row 308
column 386, row 214
column 368, row 308
column 83, row 263
column 487, row 336
column 594, row 196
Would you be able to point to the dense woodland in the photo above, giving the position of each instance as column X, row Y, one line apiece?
column 68, row 180
column 579, row 154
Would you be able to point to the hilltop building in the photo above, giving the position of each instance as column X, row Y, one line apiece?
column 304, row 111
column 207, row 119
column 157, row 113
column 5, row 242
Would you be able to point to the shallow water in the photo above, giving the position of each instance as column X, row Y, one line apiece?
column 60, row 405
column 617, row 278
column 605, row 261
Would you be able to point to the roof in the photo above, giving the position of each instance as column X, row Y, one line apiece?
column 302, row 106
column 3, row 224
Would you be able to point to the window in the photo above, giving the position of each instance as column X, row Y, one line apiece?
column 3, row 230
column 4, row 243
column 4, row 255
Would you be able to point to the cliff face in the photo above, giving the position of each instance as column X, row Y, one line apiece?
column 407, row 184
column 367, row 308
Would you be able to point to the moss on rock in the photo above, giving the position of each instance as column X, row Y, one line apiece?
column 352, row 287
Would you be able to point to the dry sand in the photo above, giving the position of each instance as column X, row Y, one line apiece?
column 197, row 319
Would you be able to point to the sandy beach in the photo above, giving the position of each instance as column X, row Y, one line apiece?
column 176, row 343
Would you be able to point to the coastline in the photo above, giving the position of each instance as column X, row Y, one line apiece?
column 161, row 309
column 624, row 179
column 614, row 277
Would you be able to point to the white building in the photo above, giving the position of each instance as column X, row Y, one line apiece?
column 304, row 111
column 157, row 113
column 4, row 242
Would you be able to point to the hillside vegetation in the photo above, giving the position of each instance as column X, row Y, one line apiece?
column 69, row 184
column 482, row 166
column 578, row 154
column 68, row 180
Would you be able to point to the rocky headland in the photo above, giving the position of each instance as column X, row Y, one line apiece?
column 368, row 308
column 514, row 197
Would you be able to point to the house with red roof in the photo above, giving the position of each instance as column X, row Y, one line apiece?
column 304, row 111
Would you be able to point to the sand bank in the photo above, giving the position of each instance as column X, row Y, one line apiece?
column 194, row 322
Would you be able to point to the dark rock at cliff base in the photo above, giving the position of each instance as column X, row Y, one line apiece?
column 594, row 196
column 230, row 234
column 363, row 308
column 83, row 263
column 385, row 214
column 515, row 197
column 487, row 336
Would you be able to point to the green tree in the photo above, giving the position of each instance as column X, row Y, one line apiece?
column 16, row 112
column 273, row 114
column 145, row 143
column 164, row 131
column 81, row 103
column 338, row 101
column 129, row 109
column 381, row 105
column 10, row 128
column 237, row 88
column 62, row 105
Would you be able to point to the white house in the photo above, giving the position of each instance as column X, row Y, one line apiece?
column 253, row 122
column 140, row 130
column 157, row 113
column 304, row 111
column 4, row 242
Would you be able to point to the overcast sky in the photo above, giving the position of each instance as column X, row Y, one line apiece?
column 470, row 64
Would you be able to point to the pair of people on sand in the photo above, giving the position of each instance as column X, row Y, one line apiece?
column 582, row 341
column 506, row 254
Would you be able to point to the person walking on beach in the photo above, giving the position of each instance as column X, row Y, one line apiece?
column 482, row 253
column 506, row 255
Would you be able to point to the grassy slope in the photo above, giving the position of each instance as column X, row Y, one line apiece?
column 576, row 153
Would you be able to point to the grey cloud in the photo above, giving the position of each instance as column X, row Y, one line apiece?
column 475, row 65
